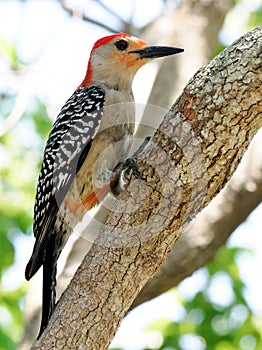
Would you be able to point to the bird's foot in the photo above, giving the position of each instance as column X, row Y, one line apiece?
column 124, row 170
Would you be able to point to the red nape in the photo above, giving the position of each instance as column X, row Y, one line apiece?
column 88, row 77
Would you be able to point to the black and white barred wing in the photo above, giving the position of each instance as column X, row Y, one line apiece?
column 67, row 146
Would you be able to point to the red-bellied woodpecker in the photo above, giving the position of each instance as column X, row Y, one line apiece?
column 84, row 128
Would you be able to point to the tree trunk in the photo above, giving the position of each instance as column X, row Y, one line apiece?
column 195, row 26
column 198, row 244
column 191, row 157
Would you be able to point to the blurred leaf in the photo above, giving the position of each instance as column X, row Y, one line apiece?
column 9, row 51
column 255, row 19
column 11, row 301
column 20, row 151
column 219, row 49
column 6, row 252
column 7, row 101
column 219, row 327
column 42, row 123
column 5, row 342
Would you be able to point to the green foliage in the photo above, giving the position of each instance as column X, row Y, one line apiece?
column 10, row 53
column 219, row 49
column 20, row 152
column 210, row 325
column 12, row 320
column 255, row 18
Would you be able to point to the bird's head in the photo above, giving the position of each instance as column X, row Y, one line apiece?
column 115, row 59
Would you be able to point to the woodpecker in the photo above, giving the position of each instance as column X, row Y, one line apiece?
column 100, row 113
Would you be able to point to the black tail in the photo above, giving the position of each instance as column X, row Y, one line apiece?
column 49, row 284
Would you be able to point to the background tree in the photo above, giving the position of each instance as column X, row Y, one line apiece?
column 188, row 12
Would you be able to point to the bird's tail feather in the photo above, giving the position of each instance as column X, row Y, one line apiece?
column 49, row 284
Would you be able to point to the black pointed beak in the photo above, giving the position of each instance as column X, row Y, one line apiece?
column 156, row 51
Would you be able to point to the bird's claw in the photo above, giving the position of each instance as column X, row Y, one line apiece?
column 123, row 170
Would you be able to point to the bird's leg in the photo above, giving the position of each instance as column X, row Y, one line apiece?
column 116, row 182
column 123, row 170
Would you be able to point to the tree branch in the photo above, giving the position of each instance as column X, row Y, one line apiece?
column 192, row 155
column 111, row 12
column 87, row 18
column 216, row 223
column 15, row 115
column 205, row 19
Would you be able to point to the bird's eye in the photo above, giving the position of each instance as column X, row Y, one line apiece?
column 121, row 45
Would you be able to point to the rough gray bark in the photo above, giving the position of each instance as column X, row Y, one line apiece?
column 198, row 244
column 214, row 225
column 191, row 157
